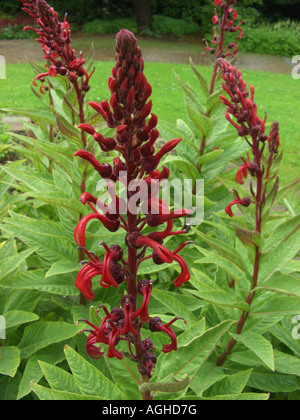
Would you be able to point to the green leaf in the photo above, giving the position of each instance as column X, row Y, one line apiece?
column 232, row 384
column 9, row 360
column 213, row 102
column 17, row 317
column 61, row 267
column 223, row 248
column 201, row 78
column 47, row 236
column 89, row 379
column 206, row 376
column 52, row 354
column 50, row 394
column 233, row 270
column 282, row 283
column 59, row 379
column 38, row 116
column 202, row 123
column 188, row 359
column 283, row 335
column 42, row 334
column 208, row 157
column 209, row 291
column 175, row 305
column 276, row 306
column 10, row 264
column 58, row 199
column 36, row 280
column 190, row 93
column 67, row 129
column 259, row 345
column 273, row 382
column 184, row 165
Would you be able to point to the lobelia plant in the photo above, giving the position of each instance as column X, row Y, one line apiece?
column 136, row 169
column 213, row 144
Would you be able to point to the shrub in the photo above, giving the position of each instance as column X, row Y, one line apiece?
column 282, row 38
column 163, row 25
column 102, row 26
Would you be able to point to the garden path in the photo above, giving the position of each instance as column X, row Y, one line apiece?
column 169, row 51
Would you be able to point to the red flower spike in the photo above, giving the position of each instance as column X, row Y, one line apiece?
column 128, row 111
column 55, row 38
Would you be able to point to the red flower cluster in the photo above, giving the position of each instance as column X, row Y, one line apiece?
column 55, row 40
column 224, row 24
column 242, row 107
column 129, row 111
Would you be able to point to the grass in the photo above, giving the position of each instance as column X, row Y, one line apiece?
column 277, row 94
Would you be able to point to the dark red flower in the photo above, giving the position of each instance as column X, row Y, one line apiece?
column 245, row 202
column 156, row 324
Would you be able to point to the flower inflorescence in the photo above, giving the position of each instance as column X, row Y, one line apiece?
column 129, row 112
column 55, row 40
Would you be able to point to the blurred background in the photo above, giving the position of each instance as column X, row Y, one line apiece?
column 274, row 24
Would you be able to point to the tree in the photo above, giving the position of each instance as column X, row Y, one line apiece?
column 143, row 13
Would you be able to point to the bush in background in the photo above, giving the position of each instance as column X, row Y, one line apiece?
column 162, row 25
column 281, row 38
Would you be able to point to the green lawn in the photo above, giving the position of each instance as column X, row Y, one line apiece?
column 277, row 94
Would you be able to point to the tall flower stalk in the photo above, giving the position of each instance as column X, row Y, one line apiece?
column 129, row 112
column 241, row 106
column 55, row 41
column 222, row 25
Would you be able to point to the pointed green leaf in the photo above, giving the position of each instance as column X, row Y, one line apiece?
column 201, row 78
column 9, row 360
column 202, row 123
column 59, row 379
column 259, row 345
column 89, row 379
column 42, row 334
column 188, row 359
column 16, row 317
column 50, row 394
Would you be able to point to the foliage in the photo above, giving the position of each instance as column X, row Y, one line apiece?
column 102, row 26
column 282, row 38
column 161, row 25
column 44, row 357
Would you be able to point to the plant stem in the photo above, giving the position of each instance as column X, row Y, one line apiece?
column 258, row 222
